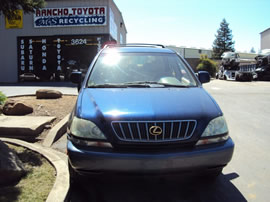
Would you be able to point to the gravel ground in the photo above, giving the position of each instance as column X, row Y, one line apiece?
column 58, row 108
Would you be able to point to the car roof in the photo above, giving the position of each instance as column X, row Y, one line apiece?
column 137, row 49
column 228, row 54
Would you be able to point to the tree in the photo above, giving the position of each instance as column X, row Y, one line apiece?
column 9, row 7
column 223, row 41
column 252, row 50
column 2, row 99
column 207, row 65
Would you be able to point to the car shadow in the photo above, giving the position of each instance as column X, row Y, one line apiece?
column 168, row 189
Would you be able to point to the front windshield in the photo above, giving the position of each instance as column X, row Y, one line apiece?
column 127, row 68
column 226, row 55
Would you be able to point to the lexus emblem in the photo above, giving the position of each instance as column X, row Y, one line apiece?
column 155, row 130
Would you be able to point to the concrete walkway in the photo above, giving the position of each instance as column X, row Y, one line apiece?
column 29, row 88
column 23, row 127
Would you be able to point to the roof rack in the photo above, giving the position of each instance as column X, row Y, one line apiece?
column 134, row 45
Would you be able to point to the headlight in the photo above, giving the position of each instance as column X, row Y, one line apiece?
column 217, row 126
column 216, row 131
column 86, row 129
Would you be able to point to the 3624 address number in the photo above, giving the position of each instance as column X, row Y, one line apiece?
column 78, row 42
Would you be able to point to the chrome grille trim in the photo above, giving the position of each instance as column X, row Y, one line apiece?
column 171, row 131
column 179, row 130
column 163, row 131
column 131, row 133
column 138, row 131
column 186, row 130
column 147, row 131
column 122, row 131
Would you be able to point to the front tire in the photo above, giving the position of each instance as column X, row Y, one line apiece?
column 212, row 176
column 74, row 177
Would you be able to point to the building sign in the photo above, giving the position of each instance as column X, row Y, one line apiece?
column 16, row 21
column 72, row 16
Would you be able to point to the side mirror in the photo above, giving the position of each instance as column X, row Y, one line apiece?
column 76, row 77
column 203, row 76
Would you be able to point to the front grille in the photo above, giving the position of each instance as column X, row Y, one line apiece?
column 247, row 68
column 140, row 131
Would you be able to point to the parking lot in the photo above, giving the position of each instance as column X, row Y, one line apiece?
column 246, row 107
column 246, row 178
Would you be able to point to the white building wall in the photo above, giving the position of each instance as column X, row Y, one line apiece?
column 265, row 39
column 247, row 55
column 191, row 52
column 8, row 37
column 119, row 22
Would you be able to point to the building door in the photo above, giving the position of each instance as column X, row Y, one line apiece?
column 55, row 57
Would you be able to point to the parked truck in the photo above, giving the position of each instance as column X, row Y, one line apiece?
column 234, row 68
column 263, row 65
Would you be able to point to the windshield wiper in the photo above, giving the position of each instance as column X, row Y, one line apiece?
column 137, row 84
column 106, row 85
column 119, row 85
column 156, row 83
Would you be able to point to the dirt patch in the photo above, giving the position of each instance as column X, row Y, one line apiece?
column 58, row 108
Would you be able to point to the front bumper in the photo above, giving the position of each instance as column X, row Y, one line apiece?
column 198, row 159
column 245, row 76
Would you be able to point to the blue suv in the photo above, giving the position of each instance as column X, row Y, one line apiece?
column 141, row 109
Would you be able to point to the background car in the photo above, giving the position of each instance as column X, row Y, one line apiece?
column 263, row 65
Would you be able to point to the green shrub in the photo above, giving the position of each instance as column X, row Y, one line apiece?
column 207, row 65
column 2, row 98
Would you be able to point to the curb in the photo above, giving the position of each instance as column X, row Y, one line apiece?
column 60, row 188
column 56, row 132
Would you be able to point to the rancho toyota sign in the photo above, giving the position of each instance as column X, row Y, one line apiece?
column 71, row 16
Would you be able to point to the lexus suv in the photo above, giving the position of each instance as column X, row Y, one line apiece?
column 141, row 109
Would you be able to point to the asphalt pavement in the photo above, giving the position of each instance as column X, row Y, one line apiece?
column 246, row 106
column 246, row 178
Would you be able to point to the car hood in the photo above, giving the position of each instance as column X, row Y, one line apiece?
column 131, row 104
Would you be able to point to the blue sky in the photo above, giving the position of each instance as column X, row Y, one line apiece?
column 194, row 23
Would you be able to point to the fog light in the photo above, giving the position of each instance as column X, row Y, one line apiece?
column 99, row 144
column 90, row 143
